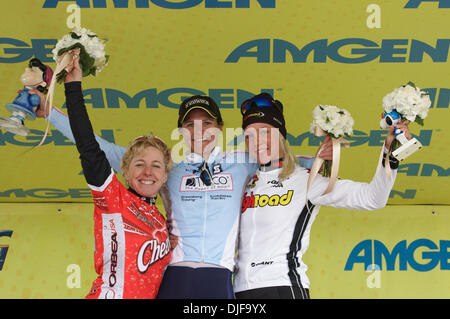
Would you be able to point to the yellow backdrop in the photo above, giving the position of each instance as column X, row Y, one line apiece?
column 50, row 250
column 346, row 53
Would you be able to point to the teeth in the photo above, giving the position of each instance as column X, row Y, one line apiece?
column 147, row 182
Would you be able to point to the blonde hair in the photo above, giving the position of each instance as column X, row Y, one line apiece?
column 139, row 144
column 289, row 159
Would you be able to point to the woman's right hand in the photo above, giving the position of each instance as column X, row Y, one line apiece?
column 173, row 241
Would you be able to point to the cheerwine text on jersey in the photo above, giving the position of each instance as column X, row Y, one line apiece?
column 159, row 250
column 260, row 200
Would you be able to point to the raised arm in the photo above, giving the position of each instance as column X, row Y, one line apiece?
column 354, row 195
column 96, row 167
column 357, row 195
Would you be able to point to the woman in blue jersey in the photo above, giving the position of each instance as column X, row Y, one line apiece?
column 276, row 218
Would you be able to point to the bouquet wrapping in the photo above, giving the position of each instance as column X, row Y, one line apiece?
column 91, row 51
column 79, row 42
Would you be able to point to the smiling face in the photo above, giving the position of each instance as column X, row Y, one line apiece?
column 200, row 131
column 262, row 141
column 147, row 172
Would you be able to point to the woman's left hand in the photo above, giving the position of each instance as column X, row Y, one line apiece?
column 403, row 126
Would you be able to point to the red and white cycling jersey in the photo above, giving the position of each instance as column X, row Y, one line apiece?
column 132, row 245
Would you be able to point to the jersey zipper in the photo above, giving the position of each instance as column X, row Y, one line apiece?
column 204, row 227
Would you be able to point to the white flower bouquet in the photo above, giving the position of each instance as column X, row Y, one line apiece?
column 408, row 104
column 334, row 121
column 329, row 120
column 92, row 51
column 92, row 59
column 409, row 101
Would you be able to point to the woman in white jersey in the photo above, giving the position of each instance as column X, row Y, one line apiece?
column 275, row 217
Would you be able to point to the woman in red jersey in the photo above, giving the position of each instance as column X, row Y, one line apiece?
column 132, row 245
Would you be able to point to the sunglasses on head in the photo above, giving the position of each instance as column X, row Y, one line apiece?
column 205, row 174
column 259, row 101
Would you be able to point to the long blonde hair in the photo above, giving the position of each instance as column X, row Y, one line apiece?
column 289, row 159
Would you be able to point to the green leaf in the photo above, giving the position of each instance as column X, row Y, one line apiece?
column 411, row 84
column 419, row 120
column 75, row 36
column 86, row 61
column 394, row 145
column 61, row 76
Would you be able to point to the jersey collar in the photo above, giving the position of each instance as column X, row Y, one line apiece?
column 196, row 158
column 149, row 200
column 271, row 166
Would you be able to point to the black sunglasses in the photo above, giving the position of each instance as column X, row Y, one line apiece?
column 205, row 174
column 259, row 101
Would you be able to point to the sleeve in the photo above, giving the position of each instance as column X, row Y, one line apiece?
column 96, row 167
column 305, row 161
column 354, row 195
column 105, row 197
column 113, row 152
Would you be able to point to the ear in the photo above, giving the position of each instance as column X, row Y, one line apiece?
column 165, row 177
column 125, row 174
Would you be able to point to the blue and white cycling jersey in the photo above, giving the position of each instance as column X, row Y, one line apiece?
column 205, row 218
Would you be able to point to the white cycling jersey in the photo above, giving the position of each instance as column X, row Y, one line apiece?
column 276, row 223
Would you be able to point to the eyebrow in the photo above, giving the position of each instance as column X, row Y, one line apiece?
column 205, row 120
column 154, row 161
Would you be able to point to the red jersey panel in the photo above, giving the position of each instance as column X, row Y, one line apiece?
column 132, row 246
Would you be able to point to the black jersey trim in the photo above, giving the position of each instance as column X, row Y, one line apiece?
column 294, row 247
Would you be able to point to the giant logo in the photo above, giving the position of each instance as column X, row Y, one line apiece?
column 373, row 252
column 167, row 4
column 4, row 248
column 351, row 50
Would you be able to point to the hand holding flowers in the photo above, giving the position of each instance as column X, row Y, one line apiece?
column 335, row 124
